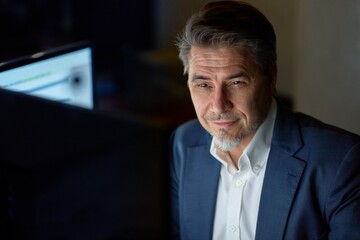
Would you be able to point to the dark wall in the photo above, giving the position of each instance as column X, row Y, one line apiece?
column 117, row 28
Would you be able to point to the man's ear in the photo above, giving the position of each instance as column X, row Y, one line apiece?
column 273, row 78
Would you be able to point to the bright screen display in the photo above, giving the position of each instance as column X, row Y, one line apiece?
column 64, row 76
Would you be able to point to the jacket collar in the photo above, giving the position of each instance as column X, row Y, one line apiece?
column 200, row 192
column 283, row 173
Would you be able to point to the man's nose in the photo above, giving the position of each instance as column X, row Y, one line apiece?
column 221, row 101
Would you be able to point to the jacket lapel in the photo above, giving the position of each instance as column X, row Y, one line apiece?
column 200, row 191
column 283, row 174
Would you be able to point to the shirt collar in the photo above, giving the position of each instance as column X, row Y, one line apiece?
column 257, row 151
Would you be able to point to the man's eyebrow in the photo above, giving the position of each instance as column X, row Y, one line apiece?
column 238, row 75
column 198, row 77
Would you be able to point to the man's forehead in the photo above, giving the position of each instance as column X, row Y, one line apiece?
column 218, row 56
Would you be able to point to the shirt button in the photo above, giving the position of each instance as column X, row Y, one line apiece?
column 239, row 183
column 256, row 167
column 232, row 228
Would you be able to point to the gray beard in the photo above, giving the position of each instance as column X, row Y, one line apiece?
column 228, row 144
column 225, row 144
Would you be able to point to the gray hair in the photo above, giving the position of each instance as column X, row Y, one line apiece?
column 233, row 24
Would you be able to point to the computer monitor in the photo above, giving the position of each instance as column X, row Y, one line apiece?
column 77, row 174
column 63, row 74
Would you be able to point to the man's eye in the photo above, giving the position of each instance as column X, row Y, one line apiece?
column 238, row 82
column 203, row 85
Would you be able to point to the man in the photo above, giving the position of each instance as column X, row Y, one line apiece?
column 248, row 168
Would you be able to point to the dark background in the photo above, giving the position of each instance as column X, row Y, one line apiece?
column 133, row 77
column 72, row 174
column 131, row 74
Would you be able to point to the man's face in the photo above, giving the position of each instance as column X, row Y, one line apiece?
column 229, row 93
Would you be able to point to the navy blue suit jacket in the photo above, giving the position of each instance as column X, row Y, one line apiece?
column 311, row 187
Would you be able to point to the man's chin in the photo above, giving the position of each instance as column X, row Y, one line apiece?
column 226, row 144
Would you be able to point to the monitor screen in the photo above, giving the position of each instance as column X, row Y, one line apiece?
column 62, row 74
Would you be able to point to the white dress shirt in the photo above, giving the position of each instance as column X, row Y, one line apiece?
column 239, row 191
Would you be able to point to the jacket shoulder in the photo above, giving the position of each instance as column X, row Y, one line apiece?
column 313, row 128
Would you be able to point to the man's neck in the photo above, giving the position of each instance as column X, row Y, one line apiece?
column 236, row 152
